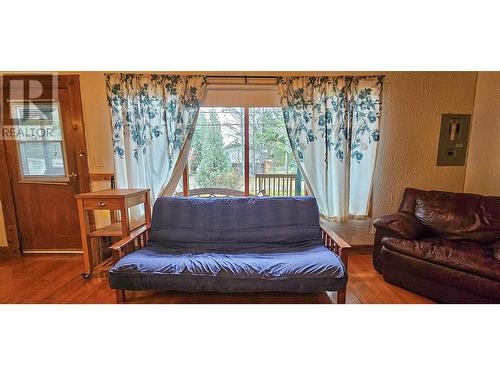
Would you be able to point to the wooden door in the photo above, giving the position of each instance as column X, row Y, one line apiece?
column 46, row 161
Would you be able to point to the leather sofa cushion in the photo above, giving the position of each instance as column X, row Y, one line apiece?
column 457, row 216
column 465, row 256
column 496, row 253
column 495, row 247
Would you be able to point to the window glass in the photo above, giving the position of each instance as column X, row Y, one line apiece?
column 39, row 137
column 217, row 151
column 273, row 169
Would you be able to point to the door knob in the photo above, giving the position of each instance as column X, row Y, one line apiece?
column 72, row 175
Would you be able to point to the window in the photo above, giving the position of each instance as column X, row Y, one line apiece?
column 273, row 169
column 39, row 137
column 217, row 152
column 218, row 164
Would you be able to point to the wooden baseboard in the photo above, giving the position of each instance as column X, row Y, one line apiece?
column 53, row 251
column 4, row 251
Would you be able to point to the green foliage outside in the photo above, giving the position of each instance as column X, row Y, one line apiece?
column 269, row 142
column 210, row 163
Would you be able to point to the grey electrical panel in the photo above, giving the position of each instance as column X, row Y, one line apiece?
column 453, row 139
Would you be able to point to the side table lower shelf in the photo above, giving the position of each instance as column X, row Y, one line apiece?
column 114, row 229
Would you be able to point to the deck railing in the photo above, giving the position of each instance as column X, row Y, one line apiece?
column 261, row 184
column 277, row 184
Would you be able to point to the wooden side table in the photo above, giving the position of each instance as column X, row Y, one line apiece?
column 113, row 200
column 358, row 233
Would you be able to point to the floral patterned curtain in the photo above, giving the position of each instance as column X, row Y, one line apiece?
column 333, row 127
column 153, row 118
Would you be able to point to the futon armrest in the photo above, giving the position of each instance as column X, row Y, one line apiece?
column 401, row 224
column 138, row 238
column 334, row 242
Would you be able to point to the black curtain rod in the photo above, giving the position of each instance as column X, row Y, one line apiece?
column 275, row 77
column 242, row 76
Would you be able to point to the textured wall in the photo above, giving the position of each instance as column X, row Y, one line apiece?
column 483, row 163
column 413, row 103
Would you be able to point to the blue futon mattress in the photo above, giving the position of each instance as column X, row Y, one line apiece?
column 303, row 270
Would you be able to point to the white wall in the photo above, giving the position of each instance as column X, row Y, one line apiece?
column 483, row 163
column 96, row 116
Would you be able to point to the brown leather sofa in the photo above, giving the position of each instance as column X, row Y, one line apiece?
column 440, row 245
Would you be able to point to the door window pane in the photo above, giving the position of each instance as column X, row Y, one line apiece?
column 41, row 158
column 217, row 152
column 39, row 136
column 273, row 169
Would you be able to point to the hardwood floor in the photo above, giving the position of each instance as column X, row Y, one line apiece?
column 56, row 279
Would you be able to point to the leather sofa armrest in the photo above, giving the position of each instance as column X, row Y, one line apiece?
column 401, row 224
column 495, row 247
